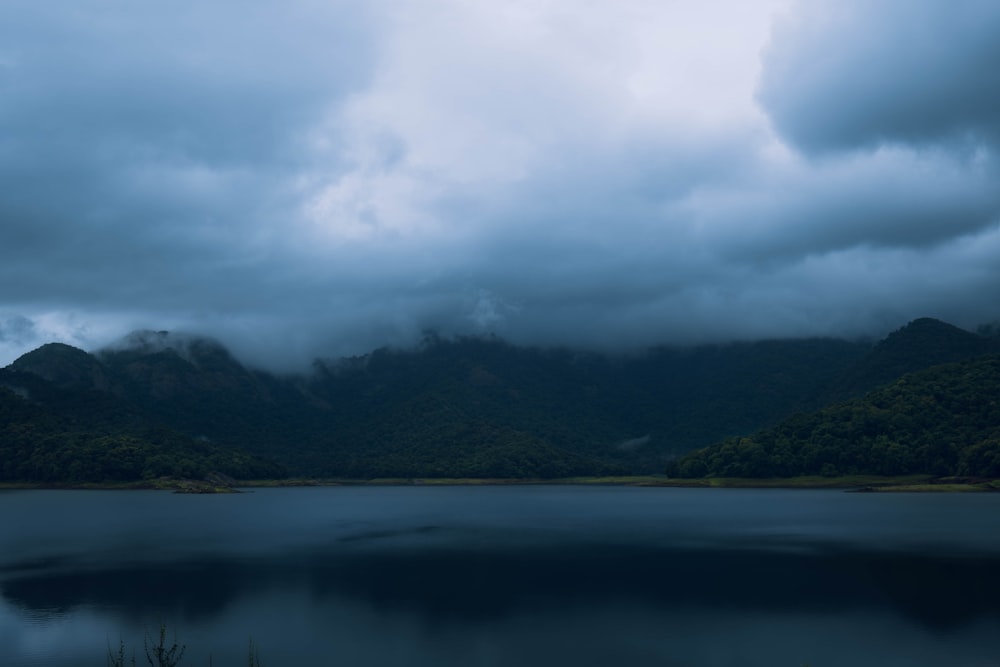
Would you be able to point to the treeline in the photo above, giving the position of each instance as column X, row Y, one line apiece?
column 459, row 448
column 941, row 421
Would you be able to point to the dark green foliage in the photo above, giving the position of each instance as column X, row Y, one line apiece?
column 941, row 421
column 920, row 344
column 454, row 408
column 469, row 407
column 54, row 435
column 64, row 366
column 474, row 407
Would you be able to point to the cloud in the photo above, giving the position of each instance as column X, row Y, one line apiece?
column 854, row 74
column 16, row 329
column 321, row 178
column 888, row 198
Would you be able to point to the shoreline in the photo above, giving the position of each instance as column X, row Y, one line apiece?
column 855, row 483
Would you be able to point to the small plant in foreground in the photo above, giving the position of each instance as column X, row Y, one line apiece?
column 117, row 658
column 160, row 654
column 253, row 659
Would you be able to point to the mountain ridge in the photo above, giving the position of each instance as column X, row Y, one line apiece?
column 482, row 407
column 943, row 420
column 920, row 343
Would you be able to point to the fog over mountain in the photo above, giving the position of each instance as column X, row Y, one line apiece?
column 308, row 178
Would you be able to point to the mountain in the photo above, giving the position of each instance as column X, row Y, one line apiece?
column 635, row 411
column 921, row 343
column 943, row 420
column 53, row 433
column 477, row 407
column 64, row 366
column 196, row 386
column 474, row 407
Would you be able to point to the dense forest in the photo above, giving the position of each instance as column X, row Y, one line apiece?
column 53, row 435
column 452, row 408
column 942, row 421
column 164, row 404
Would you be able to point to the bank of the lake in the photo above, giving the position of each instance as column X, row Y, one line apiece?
column 192, row 486
column 867, row 483
column 914, row 483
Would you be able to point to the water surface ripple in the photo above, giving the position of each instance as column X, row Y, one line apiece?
column 518, row 575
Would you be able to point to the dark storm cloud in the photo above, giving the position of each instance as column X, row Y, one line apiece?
column 306, row 178
column 144, row 145
column 892, row 199
column 136, row 136
column 857, row 74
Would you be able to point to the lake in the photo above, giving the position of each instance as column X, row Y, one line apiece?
column 503, row 575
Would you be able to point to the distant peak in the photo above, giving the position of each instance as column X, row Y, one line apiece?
column 63, row 365
column 49, row 351
column 149, row 341
column 928, row 327
column 145, row 340
column 929, row 322
column 192, row 348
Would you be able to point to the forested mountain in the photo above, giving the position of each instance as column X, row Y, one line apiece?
column 944, row 420
column 629, row 414
column 453, row 408
column 51, row 434
column 467, row 407
column 921, row 343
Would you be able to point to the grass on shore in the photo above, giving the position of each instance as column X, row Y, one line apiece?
column 159, row 484
column 861, row 482
column 911, row 483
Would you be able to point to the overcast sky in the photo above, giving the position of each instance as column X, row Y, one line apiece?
column 305, row 177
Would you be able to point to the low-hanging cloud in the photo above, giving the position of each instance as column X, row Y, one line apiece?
column 302, row 178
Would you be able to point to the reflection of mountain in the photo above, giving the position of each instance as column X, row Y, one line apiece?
column 477, row 586
column 161, row 403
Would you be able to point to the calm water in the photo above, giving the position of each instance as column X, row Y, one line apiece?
column 469, row 576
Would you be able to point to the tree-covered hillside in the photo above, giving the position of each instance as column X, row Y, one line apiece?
column 455, row 408
column 469, row 407
column 920, row 344
column 48, row 434
column 944, row 420
column 591, row 412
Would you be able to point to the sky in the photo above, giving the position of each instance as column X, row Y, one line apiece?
column 303, row 178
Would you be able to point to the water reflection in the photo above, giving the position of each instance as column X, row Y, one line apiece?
column 939, row 593
column 508, row 576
